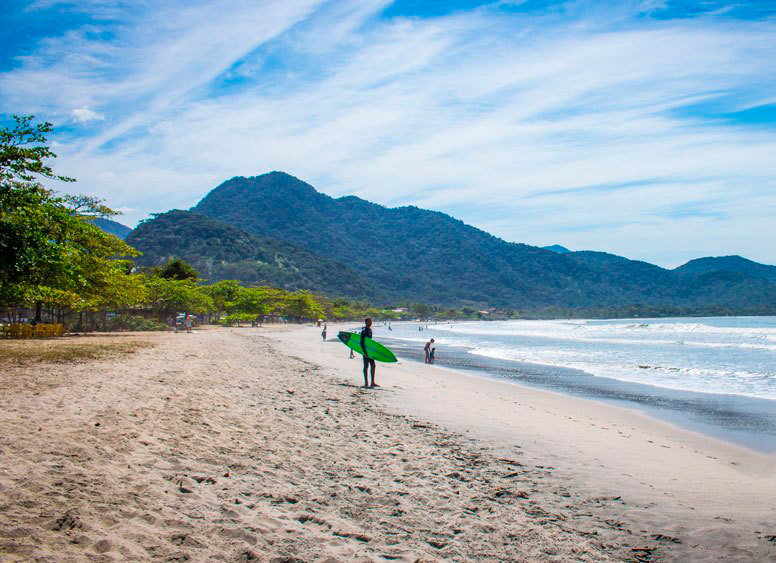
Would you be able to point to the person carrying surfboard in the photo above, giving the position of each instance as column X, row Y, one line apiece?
column 366, row 332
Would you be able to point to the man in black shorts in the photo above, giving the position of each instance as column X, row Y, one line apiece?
column 366, row 332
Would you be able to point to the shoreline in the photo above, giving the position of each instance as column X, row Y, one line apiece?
column 695, row 488
column 733, row 419
column 744, row 420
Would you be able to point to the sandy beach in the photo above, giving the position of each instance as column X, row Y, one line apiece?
column 258, row 444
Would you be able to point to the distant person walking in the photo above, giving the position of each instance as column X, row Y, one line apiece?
column 323, row 333
column 188, row 322
column 366, row 332
column 427, row 350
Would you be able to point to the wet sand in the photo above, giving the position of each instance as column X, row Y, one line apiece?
column 258, row 444
column 742, row 420
column 699, row 497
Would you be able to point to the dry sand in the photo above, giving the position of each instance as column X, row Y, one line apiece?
column 238, row 445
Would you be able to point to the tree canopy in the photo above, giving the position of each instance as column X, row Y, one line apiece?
column 177, row 269
column 50, row 250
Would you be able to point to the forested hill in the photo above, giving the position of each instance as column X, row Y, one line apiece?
column 422, row 255
column 113, row 227
column 729, row 264
column 220, row 251
column 409, row 252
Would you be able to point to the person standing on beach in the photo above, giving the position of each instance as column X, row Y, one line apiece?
column 366, row 332
column 427, row 350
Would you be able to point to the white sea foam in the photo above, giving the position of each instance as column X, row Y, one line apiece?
column 602, row 364
column 735, row 355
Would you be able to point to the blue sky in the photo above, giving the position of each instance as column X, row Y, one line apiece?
column 643, row 128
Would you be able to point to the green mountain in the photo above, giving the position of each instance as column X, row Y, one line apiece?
column 219, row 251
column 729, row 264
column 113, row 227
column 646, row 283
column 421, row 255
column 408, row 252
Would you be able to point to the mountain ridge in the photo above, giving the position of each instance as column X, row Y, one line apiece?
column 729, row 263
column 429, row 256
column 112, row 227
column 400, row 260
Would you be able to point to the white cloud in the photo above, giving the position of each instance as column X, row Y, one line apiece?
column 85, row 115
column 569, row 129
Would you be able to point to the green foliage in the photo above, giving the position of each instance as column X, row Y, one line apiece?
column 133, row 323
column 237, row 319
column 224, row 295
column 255, row 301
column 221, row 252
column 27, row 251
column 170, row 296
column 422, row 310
column 23, row 151
column 177, row 269
column 50, row 252
column 302, row 305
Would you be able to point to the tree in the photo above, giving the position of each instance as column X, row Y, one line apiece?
column 178, row 270
column 422, row 310
column 50, row 252
column 254, row 301
column 27, row 250
column 224, row 295
column 170, row 296
column 276, row 299
column 23, row 152
column 302, row 305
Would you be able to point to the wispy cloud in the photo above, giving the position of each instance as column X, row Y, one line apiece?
column 567, row 126
column 85, row 115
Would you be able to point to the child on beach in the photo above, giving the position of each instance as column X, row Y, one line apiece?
column 427, row 351
column 431, row 356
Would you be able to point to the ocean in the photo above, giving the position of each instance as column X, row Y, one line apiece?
column 714, row 375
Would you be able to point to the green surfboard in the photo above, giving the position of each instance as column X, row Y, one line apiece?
column 374, row 349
